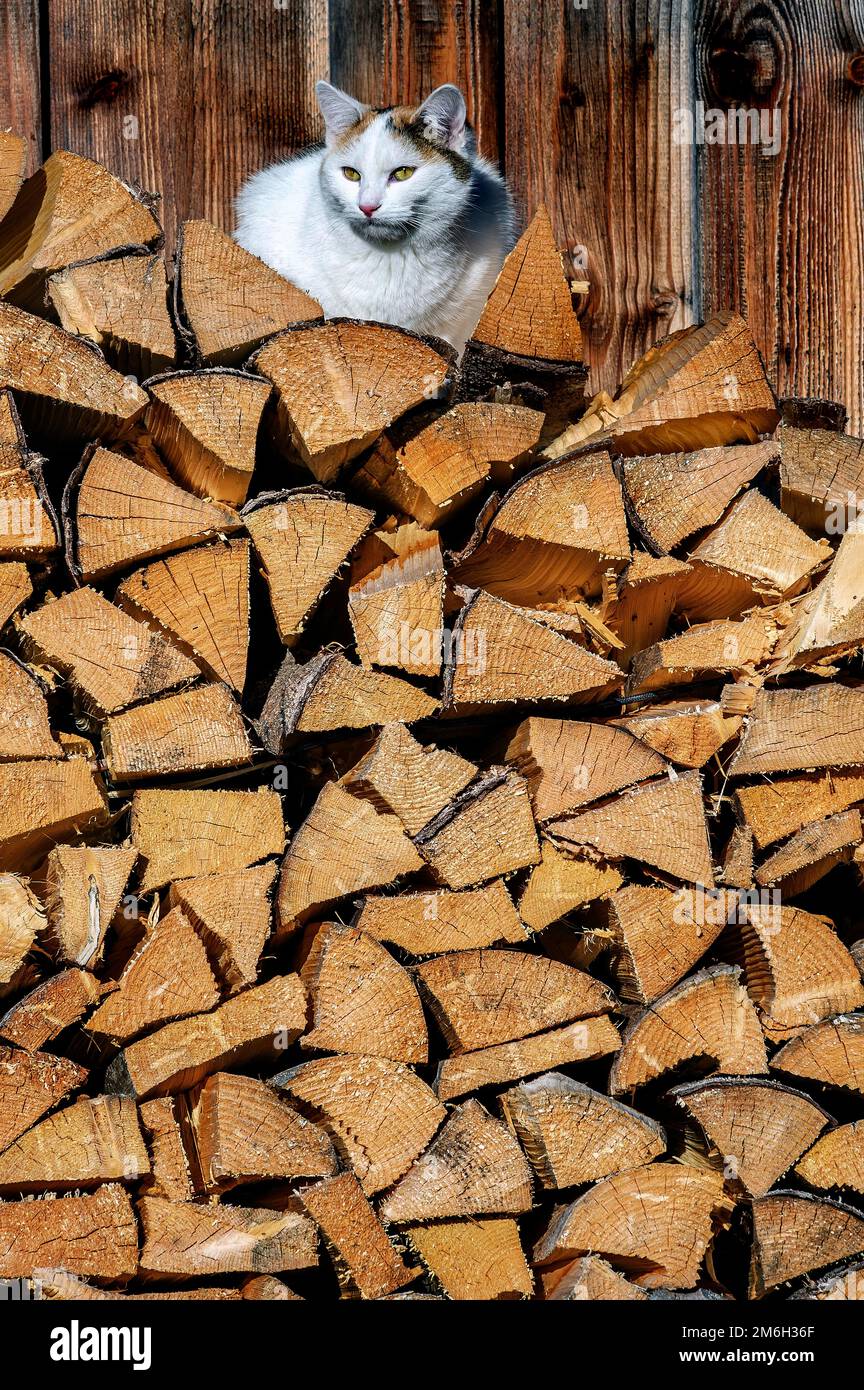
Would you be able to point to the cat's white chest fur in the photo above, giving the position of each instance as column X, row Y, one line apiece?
column 304, row 218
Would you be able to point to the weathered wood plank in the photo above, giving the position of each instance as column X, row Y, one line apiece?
column 20, row 86
column 782, row 235
column 427, row 42
column 186, row 97
column 357, row 48
column 588, row 90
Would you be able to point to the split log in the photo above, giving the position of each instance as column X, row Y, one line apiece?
column 28, row 523
column 583, row 1041
column 654, row 1222
column 589, row 1279
column 341, row 384
column 703, row 652
column 81, row 888
column 302, row 538
column 265, row 1288
column 432, row 923
column 755, row 1128
column 13, row 164
column 364, row 1002
column 88, row 1143
column 831, row 1052
column 662, row 823
column 365, row 849
column 110, row 659
column 170, row 1175
column 259, row 1023
column 736, row 870
column 836, row 1160
column 47, row 1010
column 821, row 477
column 829, row 622
column 812, row 853
column 708, row 1017
column 528, row 331
column 167, row 977
column 71, row 209
column 562, row 882
column 95, row 1235
column 199, row 599
column 397, row 611
column 205, row 424
column 530, row 311
column 675, row 495
column 638, row 604
column 43, row 802
column 478, row 1260
column 568, row 763
column 118, row 513
column 702, row 386
column 330, row 692
column 408, row 779
column 481, row 998
column 501, row 652
column 31, row 1084
column 121, row 304
column 245, row 1132
column 188, row 1241
column 64, row 386
column 231, row 913
column 755, row 542
column 474, row 1167
column 487, row 831
column 555, row 532
column 778, row 807
column 21, row 919
column 15, row 588
column 822, row 726
column 341, row 1211
column 659, row 934
column 573, row 1135
column 181, row 834
column 231, row 300
column 194, row 730
column 688, row 733
column 707, row 593
column 431, row 473
column 795, row 1232
column 378, row 1112
column 26, row 731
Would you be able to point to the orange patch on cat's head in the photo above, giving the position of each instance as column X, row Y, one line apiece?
column 350, row 135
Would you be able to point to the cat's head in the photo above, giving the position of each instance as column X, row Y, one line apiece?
column 399, row 172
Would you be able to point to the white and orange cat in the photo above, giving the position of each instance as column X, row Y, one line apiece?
column 395, row 218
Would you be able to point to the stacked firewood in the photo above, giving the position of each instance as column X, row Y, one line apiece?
column 430, row 801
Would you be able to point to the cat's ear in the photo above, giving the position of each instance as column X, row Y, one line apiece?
column 340, row 111
column 443, row 114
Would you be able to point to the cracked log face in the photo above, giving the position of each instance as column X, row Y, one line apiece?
column 229, row 299
column 120, row 303
column 430, row 807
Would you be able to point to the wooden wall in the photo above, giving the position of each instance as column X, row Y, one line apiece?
column 576, row 98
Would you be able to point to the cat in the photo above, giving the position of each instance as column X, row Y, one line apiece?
column 395, row 218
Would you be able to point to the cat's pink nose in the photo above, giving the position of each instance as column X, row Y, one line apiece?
column 369, row 208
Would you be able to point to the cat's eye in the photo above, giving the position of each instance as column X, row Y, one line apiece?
column 352, row 174
column 403, row 172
